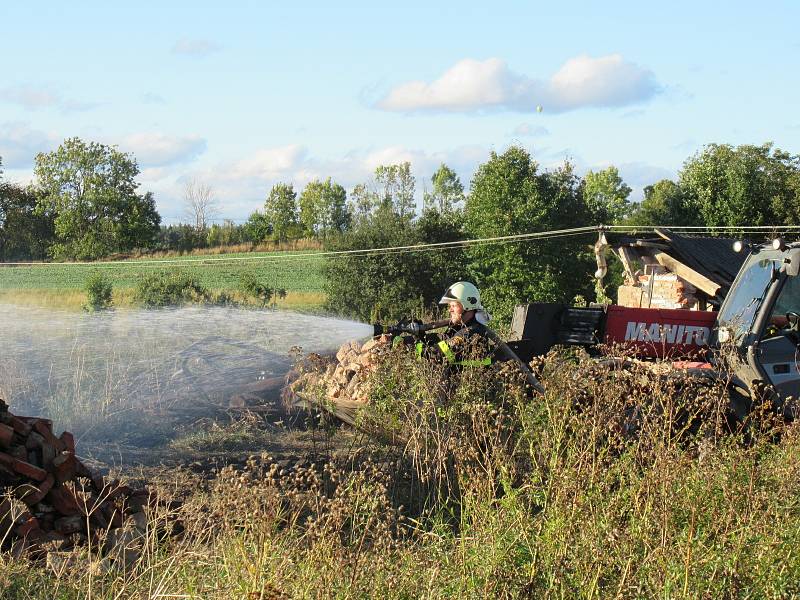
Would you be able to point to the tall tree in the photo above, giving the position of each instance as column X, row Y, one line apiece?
column 362, row 203
column 90, row 189
column 396, row 187
column 447, row 191
column 200, row 203
column 25, row 234
column 606, row 195
column 323, row 207
column 745, row 185
column 281, row 210
column 664, row 204
column 509, row 196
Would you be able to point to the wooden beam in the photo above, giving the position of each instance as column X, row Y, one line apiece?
column 664, row 233
column 681, row 270
column 626, row 257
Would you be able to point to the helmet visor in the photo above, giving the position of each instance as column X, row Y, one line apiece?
column 449, row 296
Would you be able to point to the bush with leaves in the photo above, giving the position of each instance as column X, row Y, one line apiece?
column 390, row 285
column 98, row 291
column 250, row 285
column 170, row 288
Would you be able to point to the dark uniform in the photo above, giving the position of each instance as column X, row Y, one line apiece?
column 466, row 345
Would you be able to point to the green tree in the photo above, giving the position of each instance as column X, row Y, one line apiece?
column 664, row 203
column 90, row 189
column 396, row 188
column 606, row 196
column 509, row 196
column 25, row 234
column 389, row 284
column 226, row 234
column 280, row 210
column 447, row 192
column 745, row 185
column 258, row 228
column 362, row 203
column 323, row 208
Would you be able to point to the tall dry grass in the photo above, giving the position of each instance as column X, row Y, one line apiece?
column 616, row 483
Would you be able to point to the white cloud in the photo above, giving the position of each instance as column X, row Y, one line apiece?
column 196, row 48
column 153, row 149
column 473, row 85
column 243, row 185
column 530, row 130
column 19, row 144
column 270, row 163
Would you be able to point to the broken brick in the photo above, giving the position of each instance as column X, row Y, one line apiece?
column 49, row 453
column 27, row 526
column 63, row 501
column 38, row 495
column 34, row 440
column 6, row 460
column 45, row 429
column 98, row 483
column 64, row 467
column 6, row 435
column 28, row 470
column 69, row 441
column 20, row 426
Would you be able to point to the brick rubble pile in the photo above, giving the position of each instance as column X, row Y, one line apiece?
column 52, row 502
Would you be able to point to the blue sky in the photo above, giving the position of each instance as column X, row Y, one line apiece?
column 246, row 94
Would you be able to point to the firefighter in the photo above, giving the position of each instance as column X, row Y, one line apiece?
column 465, row 343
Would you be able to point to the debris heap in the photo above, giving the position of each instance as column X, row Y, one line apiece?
column 52, row 502
column 341, row 380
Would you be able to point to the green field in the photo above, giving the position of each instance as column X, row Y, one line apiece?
column 62, row 284
column 292, row 271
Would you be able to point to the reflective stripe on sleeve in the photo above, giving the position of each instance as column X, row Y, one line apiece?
column 451, row 357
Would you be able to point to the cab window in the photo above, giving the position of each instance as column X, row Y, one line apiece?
column 788, row 301
column 746, row 296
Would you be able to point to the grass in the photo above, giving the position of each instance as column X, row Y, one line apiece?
column 614, row 484
column 62, row 284
column 75, row 300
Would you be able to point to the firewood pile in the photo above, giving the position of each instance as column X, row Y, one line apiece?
column 52, row 502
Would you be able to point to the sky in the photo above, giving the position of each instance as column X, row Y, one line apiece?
column 243, row 95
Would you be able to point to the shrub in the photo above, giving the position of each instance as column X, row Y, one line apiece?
column 98, row 291
column 250, row 285
column 170, row 289
column 391, row 285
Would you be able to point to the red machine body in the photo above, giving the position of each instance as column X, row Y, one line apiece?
column 659, row 333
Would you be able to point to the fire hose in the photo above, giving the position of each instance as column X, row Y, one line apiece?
column 417, row 329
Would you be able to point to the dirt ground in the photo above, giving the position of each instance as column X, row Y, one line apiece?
column 203, row 439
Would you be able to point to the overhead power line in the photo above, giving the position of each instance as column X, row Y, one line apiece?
column 330, row 253
column 428, row 247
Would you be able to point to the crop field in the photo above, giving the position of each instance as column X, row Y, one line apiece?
column 294, row 272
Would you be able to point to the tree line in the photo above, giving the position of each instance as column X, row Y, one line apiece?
column 84, row 204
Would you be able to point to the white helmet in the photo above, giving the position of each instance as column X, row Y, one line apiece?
column 465, row 293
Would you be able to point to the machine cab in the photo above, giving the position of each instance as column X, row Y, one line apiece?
column 760, row 319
